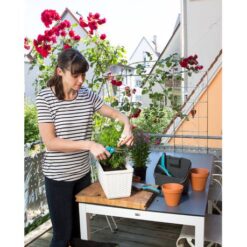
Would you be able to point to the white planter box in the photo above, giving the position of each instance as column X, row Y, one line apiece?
column 116, row 184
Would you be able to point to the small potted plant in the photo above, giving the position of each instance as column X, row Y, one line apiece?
column 114, row 174
column 139, row 153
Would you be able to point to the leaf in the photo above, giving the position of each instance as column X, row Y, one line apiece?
column 145, row 91
column 114, row 103
column 74, row 25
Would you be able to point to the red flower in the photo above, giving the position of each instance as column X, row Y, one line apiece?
column 191, row 63
column 40, row 38
column 102, row 21
column 200, row 67
column 56, row 30
column 53, row 39
column 113, row 82
column 62, row 25
column 96, row 16
column 77, row 37
column 49, row 32
column 71, row 33
column 26, row 45
column 67, row 23
column 92, row 25
column 102, row 36
column 184, row 63
column 116, row 83
column 63, row 33
column 66, row 46
column 48, row 16
column 136, row 114
column 82, row 22
column 42, row 50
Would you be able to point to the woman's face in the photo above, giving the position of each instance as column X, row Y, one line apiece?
column 71, row 81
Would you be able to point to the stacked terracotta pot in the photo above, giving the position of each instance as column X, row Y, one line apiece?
column 198, row 177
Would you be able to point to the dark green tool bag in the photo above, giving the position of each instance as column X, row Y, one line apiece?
column 171, row 169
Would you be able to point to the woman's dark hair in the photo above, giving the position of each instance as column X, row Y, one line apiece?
column 69, row 59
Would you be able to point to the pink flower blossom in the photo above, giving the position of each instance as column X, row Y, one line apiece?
column 103, row 36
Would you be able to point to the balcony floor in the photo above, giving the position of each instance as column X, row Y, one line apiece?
column 131, row 233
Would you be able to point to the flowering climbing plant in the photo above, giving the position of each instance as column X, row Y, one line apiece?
column 61, row 34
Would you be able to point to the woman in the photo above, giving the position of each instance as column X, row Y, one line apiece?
column 65, row 112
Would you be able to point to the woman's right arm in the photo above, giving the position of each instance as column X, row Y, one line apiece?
column 54, row 143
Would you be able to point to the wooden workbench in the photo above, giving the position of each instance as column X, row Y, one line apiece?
column 95, row 194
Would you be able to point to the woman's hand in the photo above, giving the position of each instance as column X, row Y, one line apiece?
column 126, row 137
column 99, row 151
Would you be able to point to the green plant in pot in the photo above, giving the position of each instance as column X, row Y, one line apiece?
column 139, row 152
column 108, row 135
column 114, row 174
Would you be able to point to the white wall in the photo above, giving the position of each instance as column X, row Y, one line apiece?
column 204, row 35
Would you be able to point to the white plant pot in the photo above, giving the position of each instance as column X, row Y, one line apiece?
column 116, row 184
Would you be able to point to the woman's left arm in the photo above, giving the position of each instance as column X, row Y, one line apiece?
column 127, row 135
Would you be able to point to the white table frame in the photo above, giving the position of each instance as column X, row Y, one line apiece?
column 87, row 209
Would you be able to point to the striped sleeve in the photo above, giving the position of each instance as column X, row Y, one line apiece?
column 97, row 101
column 44, row 112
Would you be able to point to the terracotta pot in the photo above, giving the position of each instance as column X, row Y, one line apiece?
column 198, row 178
column 172, row 193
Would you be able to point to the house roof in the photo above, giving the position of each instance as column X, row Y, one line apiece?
column 145, row 40
column 66, row 11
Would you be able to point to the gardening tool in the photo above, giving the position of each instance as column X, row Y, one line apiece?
column 140, row 186
column 113, row 150
column 162, row 166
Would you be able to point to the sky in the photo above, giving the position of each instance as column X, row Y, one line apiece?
column 127, row 21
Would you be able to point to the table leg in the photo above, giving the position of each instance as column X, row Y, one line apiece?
column 199, row 233
column 84, row 222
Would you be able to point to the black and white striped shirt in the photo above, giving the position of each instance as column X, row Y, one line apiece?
column 72, row 120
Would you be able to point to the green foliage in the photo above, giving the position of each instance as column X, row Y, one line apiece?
column 140, row 150
column 167, row 72
column 39, row 221
column 116, row 161
column 107, row 132
column 154, row 119
column 31, row 123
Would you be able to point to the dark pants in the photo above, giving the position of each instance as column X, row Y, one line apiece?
column 64, row 212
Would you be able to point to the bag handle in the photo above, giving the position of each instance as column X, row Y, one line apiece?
column 163, row 165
